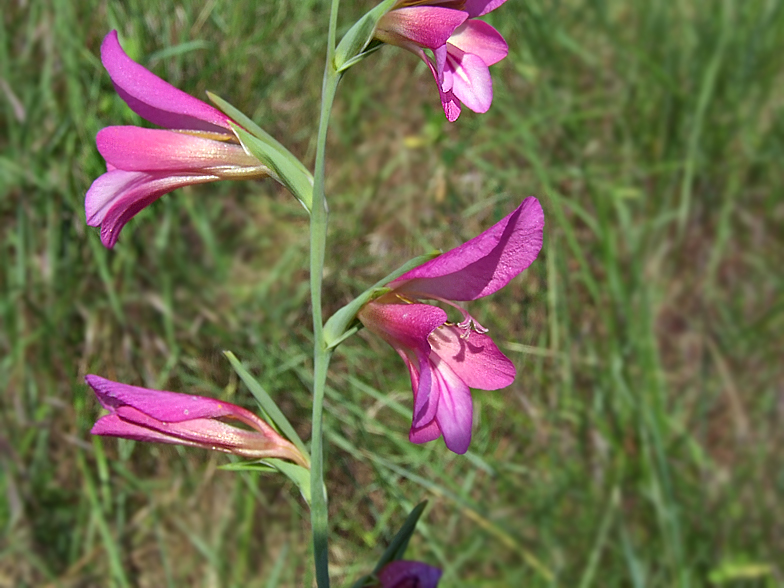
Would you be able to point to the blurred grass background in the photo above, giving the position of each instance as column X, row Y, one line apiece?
column 641, row 444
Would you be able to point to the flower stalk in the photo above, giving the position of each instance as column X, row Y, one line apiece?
column 321, row 354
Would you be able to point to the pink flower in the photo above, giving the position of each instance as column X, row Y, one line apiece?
column 144, row 164
column 408, row 574
column 463, row 48
column 183, row 419
column 445, row 359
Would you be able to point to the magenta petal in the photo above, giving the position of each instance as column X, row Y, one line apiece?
column 425, row 433
column 425, row 392
column 154, row 99
column 162, row 405
column 475, row 359
column 449, row 102
column 138, row 149
column 455, row 408
column 402, row 325
column 112, row 425
column 421, row 374
column 439, row 70
column 406, row 327
column 480, row 7
column 408, row 574
column 202, row 432
column 471, row 81
column 480, row 39
column 482, row 265
column 117, row 196
column 425, row 26
column 451, row 106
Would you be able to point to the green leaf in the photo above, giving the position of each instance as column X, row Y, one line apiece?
column 267, row 404
column 248, row 466
column 339, row 325
column 370, row 49
column 286, row 168
column 397, row 548
column 297, row 474
column 352, row 46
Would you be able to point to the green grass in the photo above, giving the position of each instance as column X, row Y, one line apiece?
column 641, row 444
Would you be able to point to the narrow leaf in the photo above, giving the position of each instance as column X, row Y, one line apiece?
column 297, row 474
column 397, row 548
column 267, row 404
column 286, row 171
column 289, row 170
column 352, row 46
column 248, row 466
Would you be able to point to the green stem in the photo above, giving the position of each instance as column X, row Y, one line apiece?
column 321, row 355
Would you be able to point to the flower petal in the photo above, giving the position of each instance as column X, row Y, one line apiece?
column 471, row 81
column 138, row 149
column 406, row 327
column 425, row 26
column 165, row 406
column 117, row 196
column 451, row 106
column 425, row 392
column 480, row 7
column 474, row 358
column 425, row 433
column 480, row 39
column 402, row 325
column 407, row 574
column 204, row 432
column 112, row 425
column 455, row 408
column 154, row 99
column 449, row 102
column 482, row 265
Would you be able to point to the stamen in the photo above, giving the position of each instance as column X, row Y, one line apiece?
column 468, row 323
column 471, row 324
column 405, row 299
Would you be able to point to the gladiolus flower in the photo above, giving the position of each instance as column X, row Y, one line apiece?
column 184, row 419
column 445, row 359
column 144, row 164
column 408, row 574
column 463, row 48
